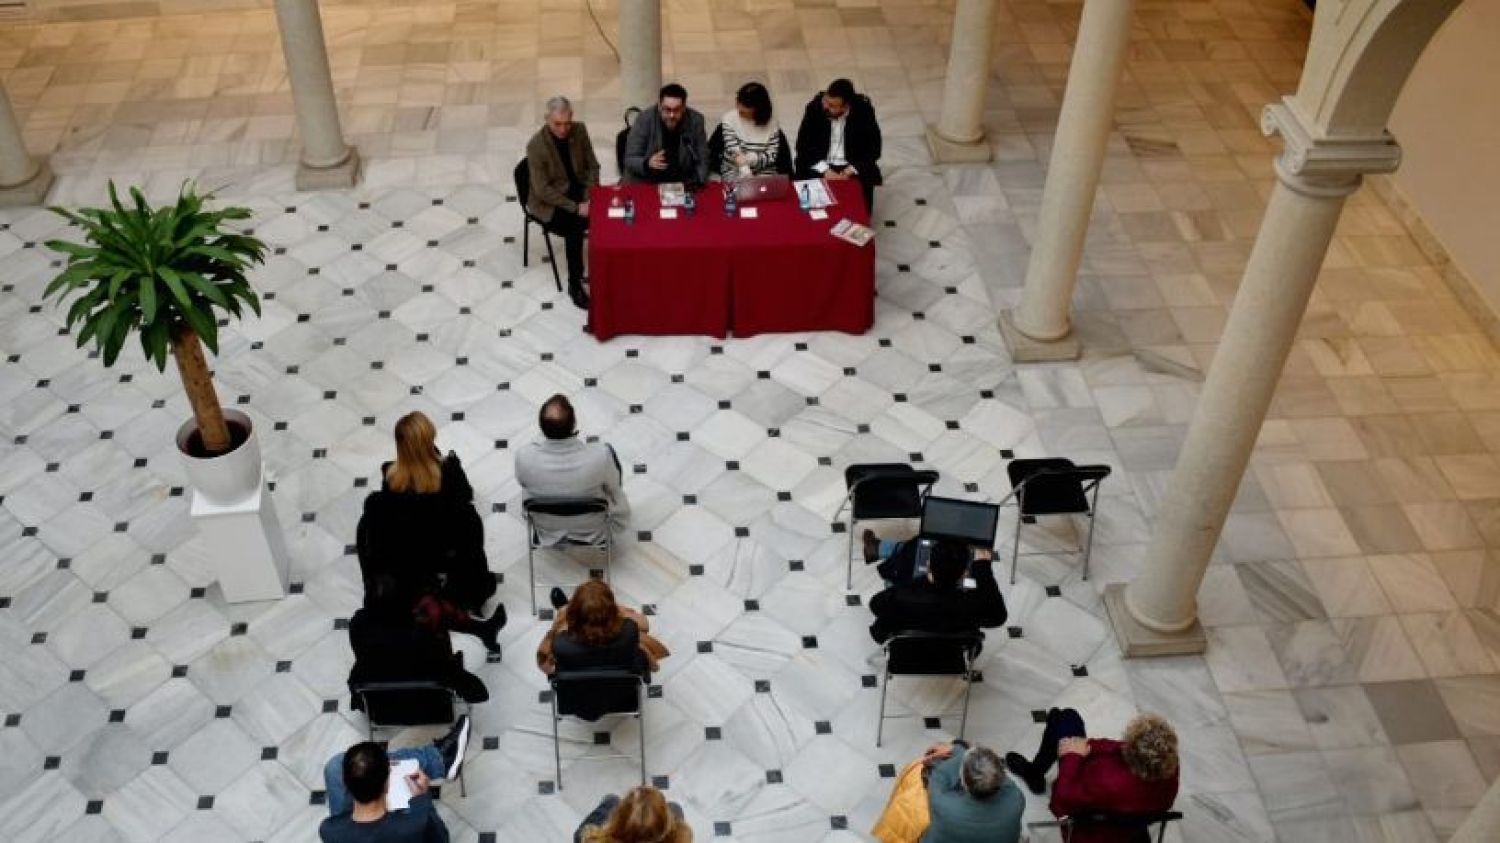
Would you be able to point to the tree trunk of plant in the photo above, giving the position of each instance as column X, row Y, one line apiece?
column 187, row 349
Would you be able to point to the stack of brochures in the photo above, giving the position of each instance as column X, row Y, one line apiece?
column 814, row 193
column 672, row 194
column 852, row 232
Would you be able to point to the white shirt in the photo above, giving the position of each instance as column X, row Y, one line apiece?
column 835, row 145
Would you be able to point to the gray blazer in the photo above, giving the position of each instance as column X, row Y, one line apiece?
column 572, row 468
column 645, row 140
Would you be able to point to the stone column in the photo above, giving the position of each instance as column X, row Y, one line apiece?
column 327, row 161
column 958, row 136
column 1039, row 329
column 640, row 52
column 23, row 180
column 1156, row 614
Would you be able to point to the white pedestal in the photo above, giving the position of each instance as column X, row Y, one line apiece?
column 247, row 547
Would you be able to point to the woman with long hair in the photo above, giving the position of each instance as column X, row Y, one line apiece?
column 593, row 632
column 642, row 816
column 754, row 144
column 421, row 529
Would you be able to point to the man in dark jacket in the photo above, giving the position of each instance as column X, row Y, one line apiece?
column 563, row 168
column 840, row 139
column 939, row 602
column 667, row 142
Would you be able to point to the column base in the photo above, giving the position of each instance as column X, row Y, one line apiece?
column 1137, row 641
column 250, row 559
column 33, row 191
column 1024, row 349
column 338, row 177
column 945, row 151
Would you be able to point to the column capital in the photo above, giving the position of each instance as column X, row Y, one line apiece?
column 1316, row 164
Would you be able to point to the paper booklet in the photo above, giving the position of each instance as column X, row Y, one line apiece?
column 398, row 795
column 672, row 194
column 817, row 192
column 852, row 232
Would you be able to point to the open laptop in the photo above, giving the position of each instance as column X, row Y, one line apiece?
column 762, row 188
column 970, row 522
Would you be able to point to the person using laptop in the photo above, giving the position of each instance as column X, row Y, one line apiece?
column 936, row 599
column 751, row 139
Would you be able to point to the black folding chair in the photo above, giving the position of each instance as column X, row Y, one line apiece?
column 592, row 694
column 1116, row 822
column 882, row 491
column 917, row 653
column 588, row 512
column 420, row 702
column 523, row 192
column 622, row 138
column 1054, row 487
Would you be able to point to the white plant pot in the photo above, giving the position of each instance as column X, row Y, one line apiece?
column 228, row 478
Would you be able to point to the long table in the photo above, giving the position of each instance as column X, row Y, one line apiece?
column 710, row 274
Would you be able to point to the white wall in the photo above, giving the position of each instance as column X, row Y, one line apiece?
column 1448, row 123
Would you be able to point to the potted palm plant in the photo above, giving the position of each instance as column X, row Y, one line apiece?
column 165, row 275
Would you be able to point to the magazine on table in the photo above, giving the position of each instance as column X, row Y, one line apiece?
column 852, row 232
column 672, row 194
column 816, row 193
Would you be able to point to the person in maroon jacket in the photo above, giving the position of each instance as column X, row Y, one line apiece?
column 1134, row 775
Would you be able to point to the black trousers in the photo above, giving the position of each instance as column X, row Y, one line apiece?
column 1061, row 723
column 570, row 227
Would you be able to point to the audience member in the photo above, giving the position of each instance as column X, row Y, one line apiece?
column 390, row 645
column 667, row 142
column 563, row 465
column 953, row 794
column 840, row 139
column 593, row 631
column 939, row 602
column 1134, row 775
column 643, row 816
column 563, row 168
column 421, row 526
column 358, row 779
column 753, row 143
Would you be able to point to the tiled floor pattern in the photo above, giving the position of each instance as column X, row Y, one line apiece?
column 1351, row 687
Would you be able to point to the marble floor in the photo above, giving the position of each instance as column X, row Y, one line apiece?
column 1351, row 690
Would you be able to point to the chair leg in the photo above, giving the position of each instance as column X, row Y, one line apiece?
column 849, row 556
column 556, row 743
column 963, row 721
column 552, row 259
column 526, row 243
column 640, row 719
column 1161, row 832
column 531, row 571
column 1015, row 547
column 1088, row 549
column 885, row 680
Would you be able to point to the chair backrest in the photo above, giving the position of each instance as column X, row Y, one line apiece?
column 1053, row 486
column 409, row 703
column 931, row 653
column 622, row 138
column 888, row 490
column 716, row 150
column 1139, row 823
column 523, row 183
column 591, row 694
column 565, row 506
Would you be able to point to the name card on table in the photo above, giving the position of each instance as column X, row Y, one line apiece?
column 749, row 213
column 669, row 213
column 818, row 214
column 617, row 213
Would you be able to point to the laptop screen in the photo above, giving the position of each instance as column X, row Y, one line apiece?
column 970, row 522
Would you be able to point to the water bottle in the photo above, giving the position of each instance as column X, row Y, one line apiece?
column 731, row 202
column 803, row 200
column 629, row 210
column 690, row 203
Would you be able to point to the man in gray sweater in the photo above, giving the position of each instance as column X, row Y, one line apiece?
column 667, row 142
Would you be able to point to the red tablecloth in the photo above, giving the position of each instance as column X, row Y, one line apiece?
column 712, row 274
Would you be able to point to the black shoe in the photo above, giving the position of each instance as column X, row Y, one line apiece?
column 453, row 745
column 489, row 630
column 1022, row 769
column 579, row 296
column 558, row 597
column 871, row 547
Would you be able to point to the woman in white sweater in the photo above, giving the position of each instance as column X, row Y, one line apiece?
column 754, row 144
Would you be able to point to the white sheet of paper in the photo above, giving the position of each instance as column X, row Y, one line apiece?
column 749, row 213
column 669, row 213
column 398, row 795
column 818, row 214
column 617, row 213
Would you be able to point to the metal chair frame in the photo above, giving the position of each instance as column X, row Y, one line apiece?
column 593, row 505
column 639, row 714
column 523, row 191
column 460, row 708
column 970, row 641
column 1122, row 821
column 1090, row 489
column 925, row 479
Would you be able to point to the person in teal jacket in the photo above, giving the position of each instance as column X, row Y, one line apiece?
column 971, row 799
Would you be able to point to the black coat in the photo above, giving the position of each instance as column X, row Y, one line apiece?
column 926, row 607
column 429, row 543
column 861, row 139
column 396, row 649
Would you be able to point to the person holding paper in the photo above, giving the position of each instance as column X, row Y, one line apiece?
column 753, row 143
column 667, row 142
column 840, row 139
column 362, row 806
column 563, row 168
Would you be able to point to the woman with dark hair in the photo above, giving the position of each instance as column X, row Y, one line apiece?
column 754, row 144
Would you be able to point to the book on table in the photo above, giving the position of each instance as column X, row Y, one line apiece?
column 852, row 232
column 672, row 194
